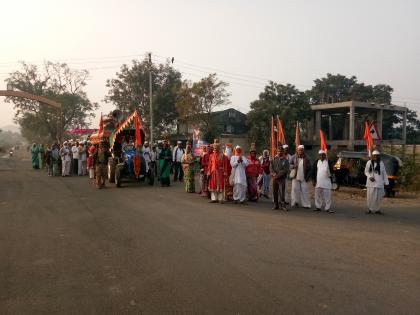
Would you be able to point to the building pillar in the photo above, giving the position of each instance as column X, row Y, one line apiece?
column 330, row 128
column 351, row 127
column 317, row 124
column 379, row 121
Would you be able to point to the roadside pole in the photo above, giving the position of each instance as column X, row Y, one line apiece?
column 151, row 98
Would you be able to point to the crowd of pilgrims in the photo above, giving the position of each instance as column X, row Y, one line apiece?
column 220, row 174
column 229, row 174
column 71, row 158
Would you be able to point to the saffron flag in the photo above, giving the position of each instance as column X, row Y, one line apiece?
column 273, row 146
column 280, row 133
column 297, row 135
column 101, row 127
column 323, row 145
column 138, row 143
column 368, row 138
column 137, row 131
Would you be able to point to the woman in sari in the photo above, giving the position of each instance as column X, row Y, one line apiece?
column 188, row 167
column 35, row 156
column 253, row 170
column 205, row 159
column 165, row 160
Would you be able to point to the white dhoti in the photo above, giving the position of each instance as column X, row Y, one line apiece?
column 300, row 193
column 65, row 168
column 374, row 198
column 323, row 197
column 217, row 196
column 239, row 192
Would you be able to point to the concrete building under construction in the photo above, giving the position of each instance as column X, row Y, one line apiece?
column 343, row 124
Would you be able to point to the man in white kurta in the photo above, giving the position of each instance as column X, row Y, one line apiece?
column 377, row 179
column 239, row 163
column 300, row 187
column 323, row 184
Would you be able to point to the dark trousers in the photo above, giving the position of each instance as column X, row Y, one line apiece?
column 178, row 172
column 279, row 187
column 75, row 166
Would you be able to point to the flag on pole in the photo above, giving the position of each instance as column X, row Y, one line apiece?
column 368, row 138
column 101, row 127
column 280, row 133
column 323, row 145
column 297, row 135
column 137, row 131
column 273, row 140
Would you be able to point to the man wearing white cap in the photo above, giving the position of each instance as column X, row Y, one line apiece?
column 300, row 174
column 65, row 154
column 147, row 154
column 239, row 164
column 322, row 182
column 176, row 158
column 377, row 179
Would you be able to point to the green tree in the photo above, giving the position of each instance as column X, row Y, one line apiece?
column 130, row 91
column 277, row 99
column 197, row 101
column 55, row 81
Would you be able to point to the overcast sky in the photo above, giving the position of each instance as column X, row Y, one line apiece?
column 250, row 41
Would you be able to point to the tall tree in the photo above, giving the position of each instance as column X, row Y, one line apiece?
column 55, row 81
column 339, row 88
column 197, row 101
column 130, row 91
column 277, row 99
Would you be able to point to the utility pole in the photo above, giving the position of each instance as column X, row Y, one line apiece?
column 151, row 98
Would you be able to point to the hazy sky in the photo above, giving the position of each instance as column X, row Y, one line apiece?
column 250, row 41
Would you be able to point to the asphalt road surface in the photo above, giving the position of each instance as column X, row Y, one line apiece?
column 68, row 248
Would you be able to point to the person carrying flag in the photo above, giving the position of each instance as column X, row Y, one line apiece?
column 377, row 180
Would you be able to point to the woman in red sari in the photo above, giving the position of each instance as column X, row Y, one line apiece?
column 205, row 160
column 217, row 172
column 228, row 187
column 252, row 171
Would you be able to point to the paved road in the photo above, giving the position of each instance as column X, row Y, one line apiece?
column 67, row 248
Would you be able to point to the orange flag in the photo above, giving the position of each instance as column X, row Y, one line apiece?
column 297, row 135
column 137, row 130
column 368, row 138
column 280, row 133
column 101, row 126
column 323, row 145
column 273, row 146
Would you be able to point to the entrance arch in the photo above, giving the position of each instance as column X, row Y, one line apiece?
column 40, row 99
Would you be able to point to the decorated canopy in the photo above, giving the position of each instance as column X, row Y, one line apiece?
column 134, row 118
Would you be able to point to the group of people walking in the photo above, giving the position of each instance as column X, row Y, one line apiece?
column 221, row 175
column 72, row 158
column 230, row 175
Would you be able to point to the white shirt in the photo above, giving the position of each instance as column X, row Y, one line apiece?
column 75, row 151
column 177, row 154
column 238, row 169
column 82, row 155
column 65, row 154
column 323, row 174
column 300, row 171
column 148, row 154
column 380, row 180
